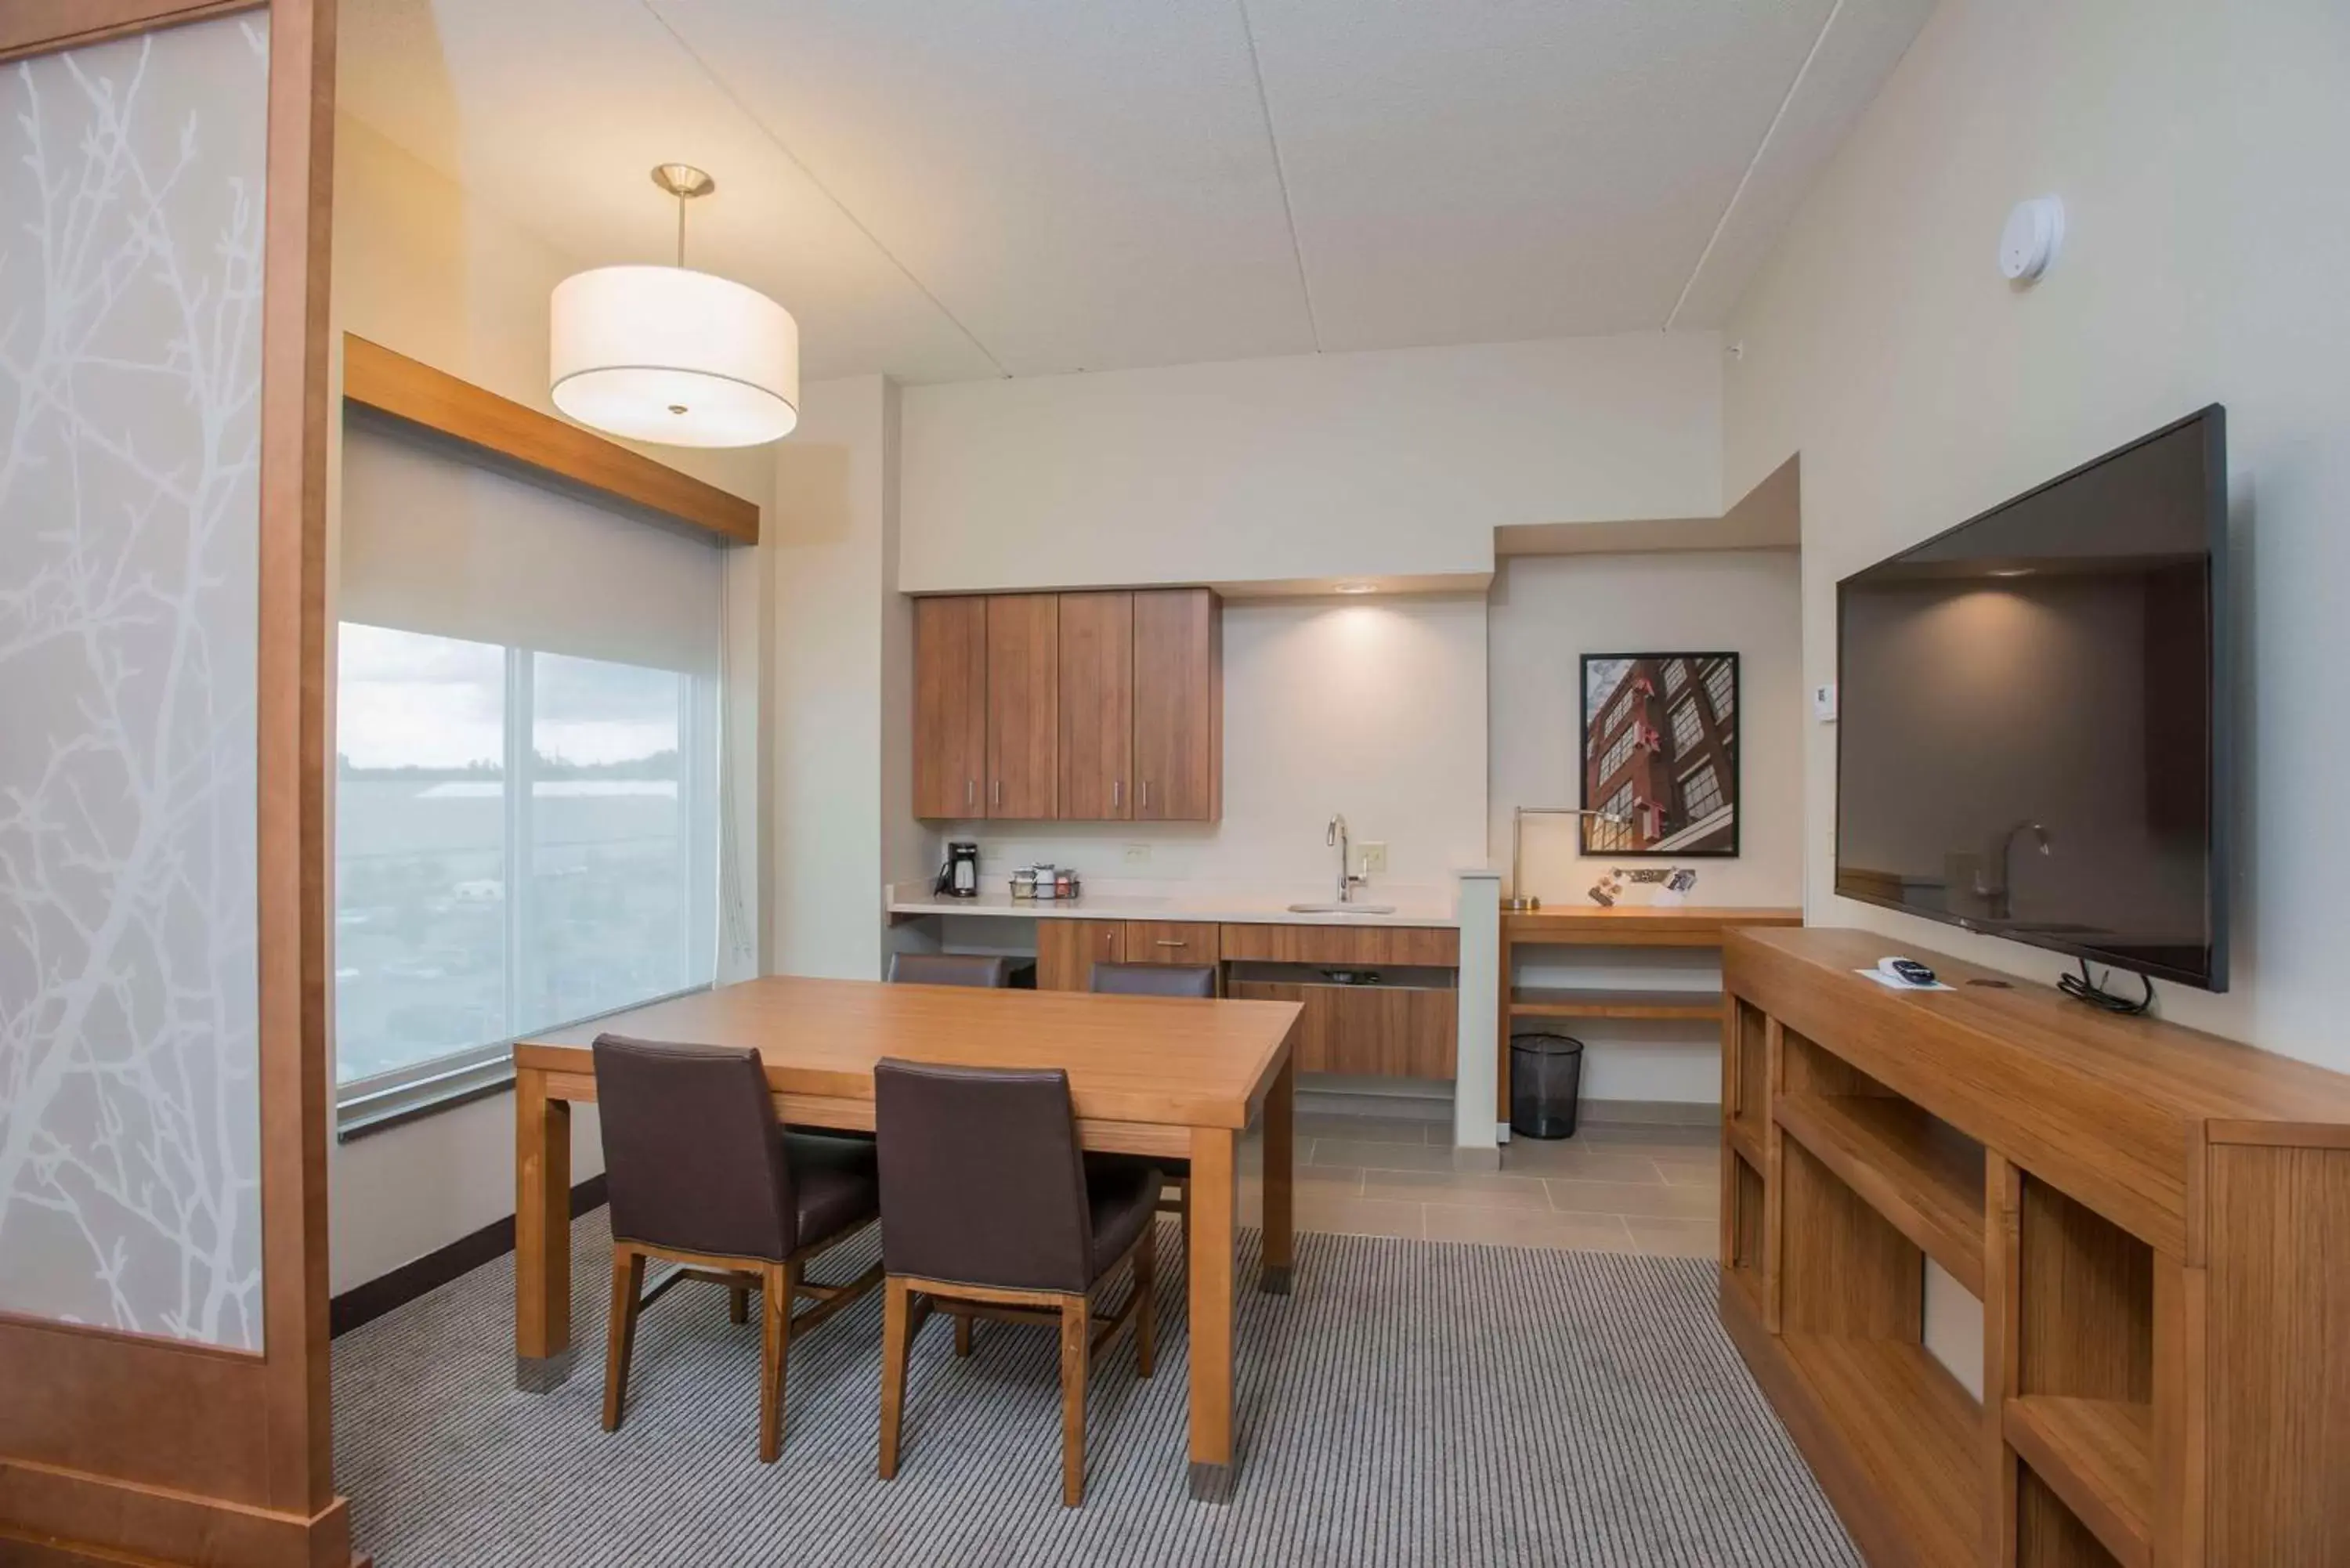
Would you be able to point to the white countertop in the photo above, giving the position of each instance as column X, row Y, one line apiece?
column 1173, row 901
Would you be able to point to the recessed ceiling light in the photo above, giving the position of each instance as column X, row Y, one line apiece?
column 2013, row 572
column 1356, row 588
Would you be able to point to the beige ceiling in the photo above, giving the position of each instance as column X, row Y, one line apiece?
column 946, row 190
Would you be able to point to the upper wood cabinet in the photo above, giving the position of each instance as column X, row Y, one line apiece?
column 949, row 707
column 1085, row 707
column 1178, row 706
column 1098, row 707
column 1024, row 705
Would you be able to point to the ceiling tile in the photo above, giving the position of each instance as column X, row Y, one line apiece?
column 1862, row 45
column 1517, row 168
column 1085, row 184
column 555, row 110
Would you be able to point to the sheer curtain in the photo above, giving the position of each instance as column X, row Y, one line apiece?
column 527, row 763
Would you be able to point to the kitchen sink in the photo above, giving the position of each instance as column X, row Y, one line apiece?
column 1342, row 908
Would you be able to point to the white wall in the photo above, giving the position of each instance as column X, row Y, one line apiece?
column 842, row 691
column 1547, row 612
column 2198, row 148
column 1397, row 462
column 422, row 269
column 1376, row 709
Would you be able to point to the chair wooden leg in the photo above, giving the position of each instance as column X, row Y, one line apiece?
column 897, row 1345
column 620, row 1329
column 775, row 1346
column 962, row 1333
column 1146, row 1302
column 1076, row 1329
column 738, row 1304
column 1183, row 1201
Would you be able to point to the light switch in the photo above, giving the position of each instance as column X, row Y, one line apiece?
column 1824, row 702
column 1375, row 859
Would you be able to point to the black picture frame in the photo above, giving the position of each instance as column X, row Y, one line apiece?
column 1675, row 827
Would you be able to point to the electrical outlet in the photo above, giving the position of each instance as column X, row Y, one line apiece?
column 1375, row 859
column 1138, row 854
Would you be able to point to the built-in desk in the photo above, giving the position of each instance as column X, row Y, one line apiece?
column 1647, row 926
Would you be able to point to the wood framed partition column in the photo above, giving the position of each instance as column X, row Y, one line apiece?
column 175, row 1441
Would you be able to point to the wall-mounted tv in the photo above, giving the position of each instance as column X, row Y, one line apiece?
column 2033, row 715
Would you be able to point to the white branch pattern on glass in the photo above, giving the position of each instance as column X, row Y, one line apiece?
column 130, row 257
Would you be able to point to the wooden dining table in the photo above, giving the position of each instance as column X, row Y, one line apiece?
column 1177, row 1076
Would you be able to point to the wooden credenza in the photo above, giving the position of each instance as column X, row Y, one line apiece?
column 2157, row 1221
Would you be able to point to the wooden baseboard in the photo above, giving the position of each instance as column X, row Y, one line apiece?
column 51, row 1515
column 387, row 1292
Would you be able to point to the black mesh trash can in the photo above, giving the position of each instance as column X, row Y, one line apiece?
column 1545, row 1083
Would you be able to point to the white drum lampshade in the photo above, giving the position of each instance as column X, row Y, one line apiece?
column 668, row 355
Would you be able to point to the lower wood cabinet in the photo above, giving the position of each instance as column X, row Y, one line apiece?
column 1066, row 951
column 1394, row 1030
column 1376, row 1031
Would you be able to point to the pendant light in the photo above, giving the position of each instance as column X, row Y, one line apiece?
column 668, row 355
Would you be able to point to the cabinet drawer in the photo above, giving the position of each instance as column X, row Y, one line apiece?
column 1170, row 941
column 1384, row 1031
column 1432, row 946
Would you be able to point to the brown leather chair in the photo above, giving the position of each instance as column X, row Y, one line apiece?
column 1155, row 978
column 1162, row 979
column 950, row 968
column 992, row 1211
column 700, row 1175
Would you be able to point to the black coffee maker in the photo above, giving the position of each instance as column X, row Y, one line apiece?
column 958, row 878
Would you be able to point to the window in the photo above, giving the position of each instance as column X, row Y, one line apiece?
column 1676, row 676
column 419, row 850
column 1617, row 754
column 1700, row 793
column 610, row 906
column 1617, row 710
column 486, row 889
column 1722, row 687
column 1606, row 835
column 1688, row 729
column 526, row 818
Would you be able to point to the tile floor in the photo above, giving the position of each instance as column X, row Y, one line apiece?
column 1613, row 1187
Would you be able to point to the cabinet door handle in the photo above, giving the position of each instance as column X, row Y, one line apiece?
column 1116, row 788
column 1145, row 795
column 996, row 797
column 970, row 792
column 1165, row 942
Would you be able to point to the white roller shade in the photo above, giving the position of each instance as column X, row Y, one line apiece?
column 435, row 539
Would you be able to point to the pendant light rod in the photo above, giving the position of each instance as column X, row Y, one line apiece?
column 685, row 182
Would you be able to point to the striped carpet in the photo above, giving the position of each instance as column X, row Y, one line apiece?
column 1414, row 1402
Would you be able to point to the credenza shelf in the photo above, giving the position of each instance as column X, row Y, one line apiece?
column 2147, row 1214
column 1919, row 1173
column 1910, row 1424
column 2097, row 1457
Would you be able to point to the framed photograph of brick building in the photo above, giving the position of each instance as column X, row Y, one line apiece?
column 1660, row 753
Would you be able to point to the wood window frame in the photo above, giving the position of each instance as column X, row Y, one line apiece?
column 390, row 382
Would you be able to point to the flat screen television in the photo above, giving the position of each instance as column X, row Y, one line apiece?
column 2032, row 740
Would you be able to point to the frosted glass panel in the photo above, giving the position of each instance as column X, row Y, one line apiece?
column 130, row 246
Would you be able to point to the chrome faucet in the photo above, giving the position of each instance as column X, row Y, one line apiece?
column 1347, row 882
